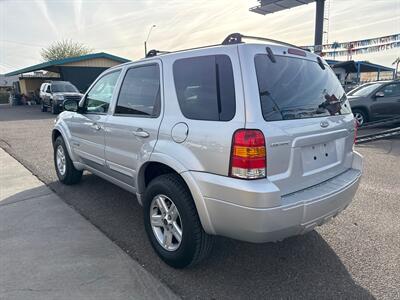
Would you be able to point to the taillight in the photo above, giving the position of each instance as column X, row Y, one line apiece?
column 248, row 156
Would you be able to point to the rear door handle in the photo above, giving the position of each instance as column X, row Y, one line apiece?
column 141, row 133
column 95, row 126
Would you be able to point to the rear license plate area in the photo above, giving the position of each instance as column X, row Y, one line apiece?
column 318, row 156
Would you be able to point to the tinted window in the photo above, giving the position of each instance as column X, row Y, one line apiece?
column 99, row 97
column 391, row 90
column 293, row 88
column 365, row 90
column 63, row 87
column 205, row 87
column 140, row 92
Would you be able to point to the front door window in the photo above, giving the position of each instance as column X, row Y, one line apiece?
column 99, row 97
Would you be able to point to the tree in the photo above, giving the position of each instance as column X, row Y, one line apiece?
column 396, row 63
column 63, row 49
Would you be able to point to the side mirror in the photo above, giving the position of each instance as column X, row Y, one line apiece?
column 379, row 95
column 70, row 105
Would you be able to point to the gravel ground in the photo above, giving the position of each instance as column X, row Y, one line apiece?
column 355, row 256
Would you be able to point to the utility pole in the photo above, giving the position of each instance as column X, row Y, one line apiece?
column 145, row 42
column 319, row 26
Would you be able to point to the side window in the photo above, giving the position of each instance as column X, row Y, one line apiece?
column 48, row 89
column 140, row 92
column 205, row 87
column 99, row 97
column 391, row 90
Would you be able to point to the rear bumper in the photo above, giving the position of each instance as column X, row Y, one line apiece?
column 254, row 211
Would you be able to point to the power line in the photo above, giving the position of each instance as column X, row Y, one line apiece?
column 23, row 44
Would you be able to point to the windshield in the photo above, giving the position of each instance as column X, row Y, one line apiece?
column 293, row 88
column 365, row 90
column 62, row 87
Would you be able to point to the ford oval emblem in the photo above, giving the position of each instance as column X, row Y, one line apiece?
column 324, row 124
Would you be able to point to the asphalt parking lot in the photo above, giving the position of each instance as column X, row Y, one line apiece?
column 355, row 256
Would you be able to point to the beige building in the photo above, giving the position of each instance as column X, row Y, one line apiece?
column 80, row 71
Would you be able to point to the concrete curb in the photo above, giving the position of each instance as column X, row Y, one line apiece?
column 49, row 251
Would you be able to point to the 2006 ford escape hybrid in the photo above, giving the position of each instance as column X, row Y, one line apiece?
column 248, row 141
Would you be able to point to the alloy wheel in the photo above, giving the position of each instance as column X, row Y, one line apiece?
column 60, row 159
column 359, row 118
column 166, row 222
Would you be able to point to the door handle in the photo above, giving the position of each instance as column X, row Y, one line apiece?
column 141, row 133
column 95, row 126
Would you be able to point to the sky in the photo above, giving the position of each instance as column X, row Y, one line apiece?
column 119, row 27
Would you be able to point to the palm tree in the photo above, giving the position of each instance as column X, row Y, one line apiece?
column 396, row 62
column 335, row 46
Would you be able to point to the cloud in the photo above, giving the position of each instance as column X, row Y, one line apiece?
column 79, row 21
column 43, row 9
column 121, row 26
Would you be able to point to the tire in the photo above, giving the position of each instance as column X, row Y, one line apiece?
column 360, row 116
column 43, row 107
column 195, row 244
column 69, row 175
column 54, row 109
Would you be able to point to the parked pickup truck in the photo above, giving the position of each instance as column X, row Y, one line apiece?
column 248, row 141
column 53, row 94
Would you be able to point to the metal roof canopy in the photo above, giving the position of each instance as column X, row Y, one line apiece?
column 53, row 65
column 352, row 66
column 272, row 6
column 359, row 67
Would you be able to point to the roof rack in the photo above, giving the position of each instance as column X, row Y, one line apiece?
column 155, row 52
column 237, row 38
column 233, row 38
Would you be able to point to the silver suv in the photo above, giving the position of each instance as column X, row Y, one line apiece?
column 248, row 141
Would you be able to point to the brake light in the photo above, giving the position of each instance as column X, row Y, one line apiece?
column 248, row 155
column 297, row 52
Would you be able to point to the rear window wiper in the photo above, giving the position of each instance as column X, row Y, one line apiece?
column 270, row 54
column 268, row 94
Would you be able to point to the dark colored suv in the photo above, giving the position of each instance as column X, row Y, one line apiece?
column 375, row 101
column 53, row 94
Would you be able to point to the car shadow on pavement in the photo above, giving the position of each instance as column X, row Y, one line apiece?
column 387, row 146
column 300, row 267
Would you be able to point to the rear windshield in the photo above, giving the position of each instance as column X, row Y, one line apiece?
column 63, row 88
column 293, row 88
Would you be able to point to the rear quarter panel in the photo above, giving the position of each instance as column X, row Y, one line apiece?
column 208, row 143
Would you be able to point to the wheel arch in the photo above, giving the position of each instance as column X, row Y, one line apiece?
column 58, row 131
column 364, row 109
column 163, row 164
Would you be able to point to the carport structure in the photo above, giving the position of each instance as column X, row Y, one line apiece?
column 358, row 67
column 80, row 70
